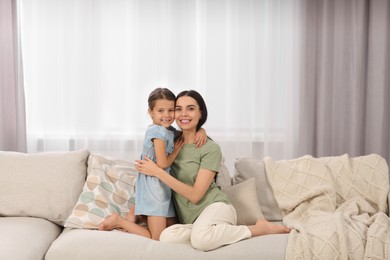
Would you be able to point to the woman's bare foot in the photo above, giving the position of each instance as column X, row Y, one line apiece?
column 110, row 222
column 264, row 227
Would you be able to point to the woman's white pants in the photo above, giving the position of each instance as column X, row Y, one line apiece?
column 215, row 227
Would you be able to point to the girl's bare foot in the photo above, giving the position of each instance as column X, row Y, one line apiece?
column 110, row 222
column 264, row 227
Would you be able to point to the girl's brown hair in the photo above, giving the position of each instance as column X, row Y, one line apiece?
column 160, row 93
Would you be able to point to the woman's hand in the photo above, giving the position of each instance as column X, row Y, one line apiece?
column 147, row 167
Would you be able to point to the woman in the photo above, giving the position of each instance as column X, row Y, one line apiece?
column 207, row 216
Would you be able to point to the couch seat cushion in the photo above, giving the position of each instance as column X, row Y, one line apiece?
column 26, row 238
column 107, row 245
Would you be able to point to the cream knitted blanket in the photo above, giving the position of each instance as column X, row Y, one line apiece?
column 336, row 206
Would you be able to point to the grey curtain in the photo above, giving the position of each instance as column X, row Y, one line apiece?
column 344, row 102
column 12, row 107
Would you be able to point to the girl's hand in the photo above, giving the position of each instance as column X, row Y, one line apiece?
column 147, row 167
column 200, row 138
column 178, row 145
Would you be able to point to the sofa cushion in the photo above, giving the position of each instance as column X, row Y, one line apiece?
column 26, row 238
column 109, row 189
column 44, row 185
column 243, row 196
column 90, row 244
column 246, row 168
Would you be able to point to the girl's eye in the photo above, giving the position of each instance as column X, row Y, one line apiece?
column 178, row 109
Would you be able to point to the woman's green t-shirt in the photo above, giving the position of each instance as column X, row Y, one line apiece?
column 185, row 168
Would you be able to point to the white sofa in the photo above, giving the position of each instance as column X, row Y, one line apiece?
column 41, row 193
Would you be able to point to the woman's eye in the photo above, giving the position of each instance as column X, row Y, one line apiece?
column 178, row 109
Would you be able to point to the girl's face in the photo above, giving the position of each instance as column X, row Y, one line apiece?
column 163, row 112
column 187, row 113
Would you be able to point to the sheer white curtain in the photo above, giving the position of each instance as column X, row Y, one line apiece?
column 90, row 65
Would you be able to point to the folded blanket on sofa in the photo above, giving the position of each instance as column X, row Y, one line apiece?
column 336, row 206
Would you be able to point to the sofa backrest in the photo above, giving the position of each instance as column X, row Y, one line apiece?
column 44, row 185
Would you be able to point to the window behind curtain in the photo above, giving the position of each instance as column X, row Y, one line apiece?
column 90, row 65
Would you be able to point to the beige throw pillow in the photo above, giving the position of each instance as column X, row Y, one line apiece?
column 247, row 168
column 109, row 188
column 244, row 199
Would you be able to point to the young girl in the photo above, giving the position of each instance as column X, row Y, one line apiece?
column 208, row 220
column 153, row 198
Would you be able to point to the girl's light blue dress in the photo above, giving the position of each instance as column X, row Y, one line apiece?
column 153, row 198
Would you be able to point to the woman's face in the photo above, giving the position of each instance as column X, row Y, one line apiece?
column 187, row 113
